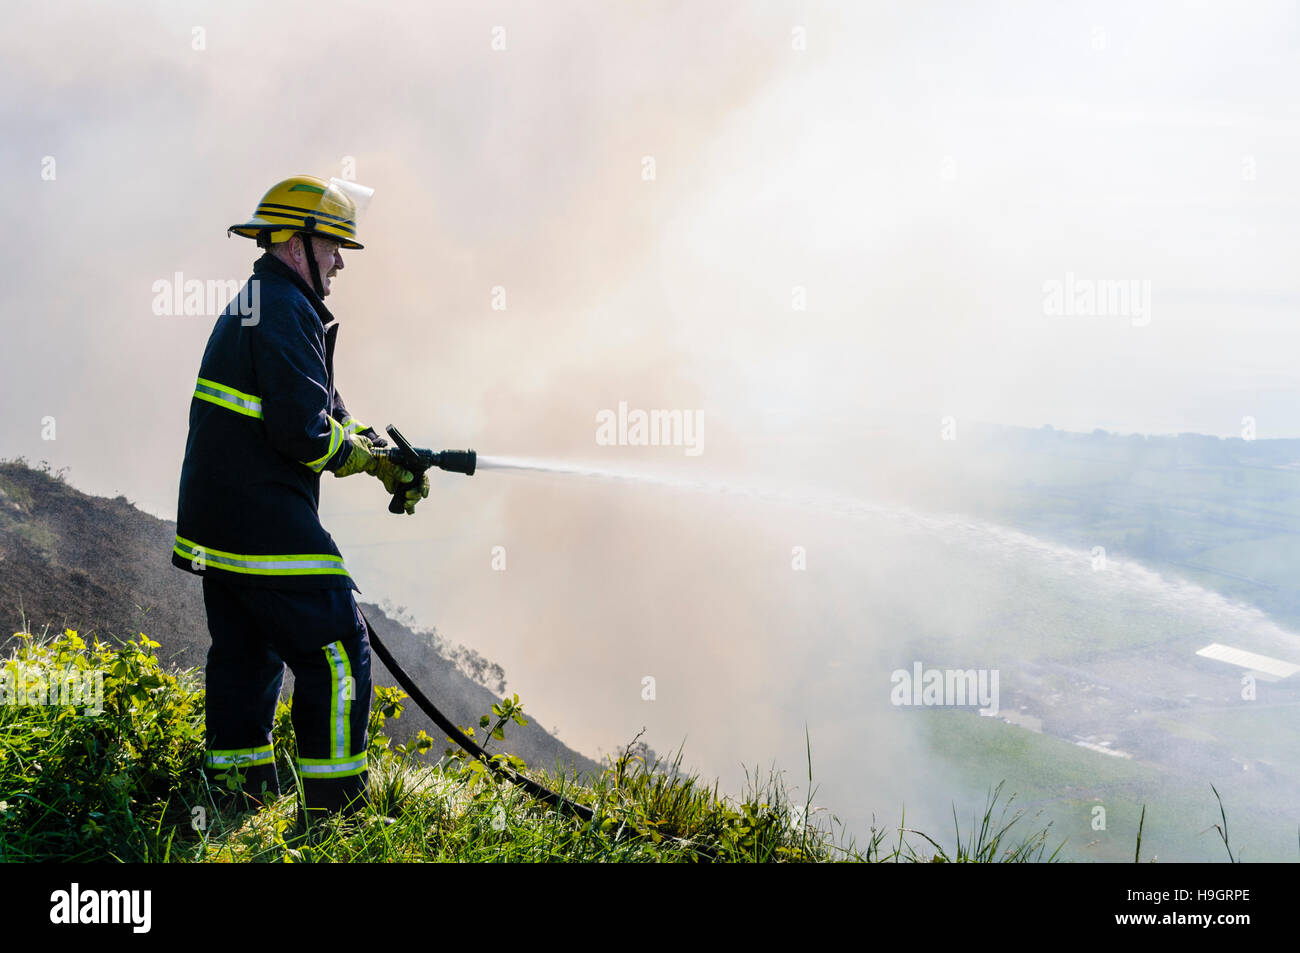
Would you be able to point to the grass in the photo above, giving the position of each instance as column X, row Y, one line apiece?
column 118, row 778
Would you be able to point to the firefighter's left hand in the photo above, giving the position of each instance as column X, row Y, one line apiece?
column 393, row 476
column 390, row 474
column 416, row 493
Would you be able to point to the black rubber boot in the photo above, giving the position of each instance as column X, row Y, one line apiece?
column 343, row 796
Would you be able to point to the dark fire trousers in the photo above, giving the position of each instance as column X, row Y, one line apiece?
column 321, row 636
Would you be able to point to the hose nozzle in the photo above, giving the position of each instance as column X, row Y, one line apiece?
column 456, row 461
column 417, row 461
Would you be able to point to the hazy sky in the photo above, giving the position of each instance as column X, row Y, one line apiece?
column 857, row 212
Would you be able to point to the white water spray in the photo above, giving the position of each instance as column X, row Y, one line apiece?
column 1172, row 594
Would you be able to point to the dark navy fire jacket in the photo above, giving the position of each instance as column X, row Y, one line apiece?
column 265, row 422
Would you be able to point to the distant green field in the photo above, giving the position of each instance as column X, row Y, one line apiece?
column 1066, row 782
column 1153, row 502
column 1170, row 504
column 1267, row 733
column 1268, row 559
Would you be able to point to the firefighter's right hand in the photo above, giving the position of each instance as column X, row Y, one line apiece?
column 366, row 458
column 360, row 458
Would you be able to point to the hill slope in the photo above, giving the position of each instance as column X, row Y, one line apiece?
column 69, row 560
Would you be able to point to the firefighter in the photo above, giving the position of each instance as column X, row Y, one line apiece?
column 265, row 421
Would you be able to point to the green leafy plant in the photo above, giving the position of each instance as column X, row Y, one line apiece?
column 84, row 780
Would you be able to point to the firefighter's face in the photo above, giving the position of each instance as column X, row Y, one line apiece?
column 329, row 259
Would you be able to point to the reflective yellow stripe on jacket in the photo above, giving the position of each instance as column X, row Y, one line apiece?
column 336, row 440
column 312, row 564
column 250, row 405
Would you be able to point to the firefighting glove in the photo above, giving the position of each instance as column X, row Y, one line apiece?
column 394, row 476
column 364, row 457
column 360, row 458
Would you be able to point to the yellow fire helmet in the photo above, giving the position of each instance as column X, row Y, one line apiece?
column 307, row 204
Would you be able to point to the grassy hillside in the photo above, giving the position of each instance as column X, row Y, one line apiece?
column 69, row 560
column 116, row 776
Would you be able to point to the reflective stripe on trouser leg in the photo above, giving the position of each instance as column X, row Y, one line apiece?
column 239, row 757
column 331, row 703
column 342, row 761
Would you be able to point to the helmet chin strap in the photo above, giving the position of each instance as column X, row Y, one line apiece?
column 317, row 285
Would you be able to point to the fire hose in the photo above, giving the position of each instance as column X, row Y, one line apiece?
column 442, row 721
column 455, row 461
column 465, row 461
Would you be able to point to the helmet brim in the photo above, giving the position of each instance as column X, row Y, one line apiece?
column 278, row 232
